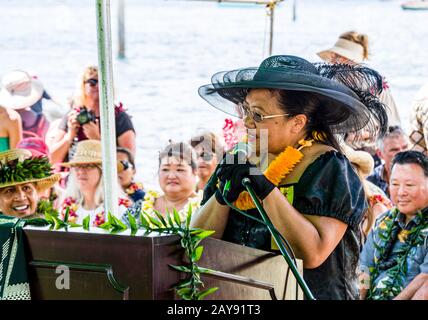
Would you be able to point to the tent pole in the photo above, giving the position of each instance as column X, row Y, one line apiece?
column 107, row 112
column 121, row 27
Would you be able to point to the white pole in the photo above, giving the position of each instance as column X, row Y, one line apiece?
column 121, row 27
column 271, row 9
column 107, row 118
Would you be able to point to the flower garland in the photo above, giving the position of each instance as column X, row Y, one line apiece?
column 151, row 196
column 276, row 171
column 135, row 191
column 71, row 204
column 378, row 198
column 393, row 283
column 233, row 132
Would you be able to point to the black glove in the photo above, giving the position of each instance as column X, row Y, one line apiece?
column 235, row 173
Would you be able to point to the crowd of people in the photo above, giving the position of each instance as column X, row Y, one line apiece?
column 338, row 175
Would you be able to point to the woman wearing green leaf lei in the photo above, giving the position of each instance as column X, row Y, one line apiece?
column 394, row 260
column 22, row 177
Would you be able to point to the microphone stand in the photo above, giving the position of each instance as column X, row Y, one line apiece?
column 247, row 184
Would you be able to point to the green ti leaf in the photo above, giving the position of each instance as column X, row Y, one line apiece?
column 86, row 222
column 154, row 221
column 180, row 268
column 189, row 217
column 201, row 295
column 176, row 217
column 160, row 218
column 197, row 254
column 67, row 211
column 143, row 221
column 132, row 223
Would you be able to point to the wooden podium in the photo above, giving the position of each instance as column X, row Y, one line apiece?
column 105, row 266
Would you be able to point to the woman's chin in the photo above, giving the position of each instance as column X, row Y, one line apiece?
column 173, row 188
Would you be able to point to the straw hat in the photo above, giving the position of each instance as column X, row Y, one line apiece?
column 361, row 159
column 30, row 169
column 87, row 152
column 20, row 90
column 345, row 48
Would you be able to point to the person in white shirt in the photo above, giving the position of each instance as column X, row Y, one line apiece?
column 84, row 193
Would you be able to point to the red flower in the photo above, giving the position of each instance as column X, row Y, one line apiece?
column 99, row 219
column 125, row 202
column 119, row 108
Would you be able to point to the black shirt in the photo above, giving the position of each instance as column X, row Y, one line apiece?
column 123, row 124
column 329, row 187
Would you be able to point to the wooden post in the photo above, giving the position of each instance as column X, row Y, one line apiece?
column 121, row 27
column 107, row 115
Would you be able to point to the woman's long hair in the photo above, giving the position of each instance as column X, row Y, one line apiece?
column 74, row 191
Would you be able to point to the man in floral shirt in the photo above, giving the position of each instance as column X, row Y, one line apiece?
column 394, row 260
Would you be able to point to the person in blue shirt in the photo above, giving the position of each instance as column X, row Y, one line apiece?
column 394, row 260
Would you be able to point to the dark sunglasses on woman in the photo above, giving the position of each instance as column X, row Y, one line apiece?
column 92, row 82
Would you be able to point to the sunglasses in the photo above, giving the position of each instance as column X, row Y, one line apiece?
column 92, row 82
column 206, row 156
column 126, row 165
column 257, row 117
column 84, row 167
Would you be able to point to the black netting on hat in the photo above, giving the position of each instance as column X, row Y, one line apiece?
column 344, row 107
column 367, row 84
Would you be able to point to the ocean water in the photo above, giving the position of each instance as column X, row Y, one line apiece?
column 173, row 47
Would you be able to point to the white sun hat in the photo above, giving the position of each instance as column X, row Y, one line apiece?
column 345, row 48
column 19, row 90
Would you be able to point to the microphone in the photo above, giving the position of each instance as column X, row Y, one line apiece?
column 240, row 153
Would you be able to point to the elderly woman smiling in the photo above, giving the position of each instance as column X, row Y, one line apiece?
column 22, row 177
column 177, row 179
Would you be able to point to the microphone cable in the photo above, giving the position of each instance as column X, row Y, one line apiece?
column 285, row 242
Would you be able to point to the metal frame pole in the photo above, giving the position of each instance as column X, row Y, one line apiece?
column 121, row 27
column 271, row 8
column 107, row 115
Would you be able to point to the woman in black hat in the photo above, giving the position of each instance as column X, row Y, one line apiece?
column 309, row 190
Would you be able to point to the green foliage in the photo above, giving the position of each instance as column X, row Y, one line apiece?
column 86, row 222
column 29, row 169
column 187, row 289
column 393, row 282
column 113, row 224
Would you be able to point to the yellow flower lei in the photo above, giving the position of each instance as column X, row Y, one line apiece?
column 152, row 195
column 276, row 171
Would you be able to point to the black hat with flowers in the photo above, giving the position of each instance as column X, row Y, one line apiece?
column 349, row 90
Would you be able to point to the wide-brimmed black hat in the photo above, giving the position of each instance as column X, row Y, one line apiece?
column 350, row 91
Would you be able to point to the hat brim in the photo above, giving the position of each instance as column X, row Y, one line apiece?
column 326, row 54
column 18, row 102
column 343, row 112
column 78, row 162
column 42, row 184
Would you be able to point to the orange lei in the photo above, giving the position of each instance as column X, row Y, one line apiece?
column 276, row 172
